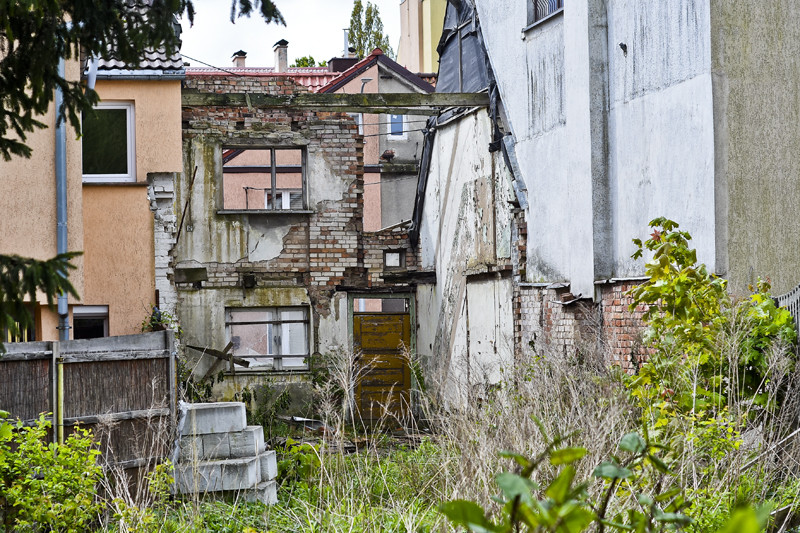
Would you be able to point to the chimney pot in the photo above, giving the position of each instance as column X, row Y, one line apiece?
column 281, row 56
column 239, row 58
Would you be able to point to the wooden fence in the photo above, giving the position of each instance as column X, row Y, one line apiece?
column 122, row 388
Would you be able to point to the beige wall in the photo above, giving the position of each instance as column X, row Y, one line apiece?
column 157, row 112
column 119, row 263
column 421, row 24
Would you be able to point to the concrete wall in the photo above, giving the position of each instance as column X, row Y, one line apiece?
column 757, row 114
column 465, row 237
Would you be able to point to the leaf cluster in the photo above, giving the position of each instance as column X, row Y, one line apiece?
column 20, row 280
column 44, row 487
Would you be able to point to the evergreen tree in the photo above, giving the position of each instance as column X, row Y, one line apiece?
column 36, row 35
column 366, row 30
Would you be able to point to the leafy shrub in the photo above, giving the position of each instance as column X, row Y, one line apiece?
column 44, row 487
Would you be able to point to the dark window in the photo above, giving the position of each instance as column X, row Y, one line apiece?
column 107, row 143
column 89, row 321
column 540, row 9
column 263, row 179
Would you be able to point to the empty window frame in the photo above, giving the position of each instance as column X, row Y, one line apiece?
column 359, row 120
column 271, row 338
column 397, row 127
column 89, row 321
column 394, row 259
column 541, row 9
column 264, row 179
column 108, row 143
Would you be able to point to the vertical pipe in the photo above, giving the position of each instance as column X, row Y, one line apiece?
column 60, row 418
column 61, row 203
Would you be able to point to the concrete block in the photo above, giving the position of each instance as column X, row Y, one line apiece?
column 215, row 476
column 266, row 493
column 269, row 465
column 216, row 446
column 191, row 449
column 247, row 443
column 219, row 417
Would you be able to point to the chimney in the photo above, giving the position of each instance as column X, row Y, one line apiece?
column 239, row 58
column 281, row 56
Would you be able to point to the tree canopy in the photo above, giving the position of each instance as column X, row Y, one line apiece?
column 308, row 61
column 366, row 30
column 36, row 34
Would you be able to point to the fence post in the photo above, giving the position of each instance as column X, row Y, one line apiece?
column 55, row 348
column 169, row 339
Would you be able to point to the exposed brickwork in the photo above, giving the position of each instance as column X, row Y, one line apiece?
column 376, row 243
column 324, row 249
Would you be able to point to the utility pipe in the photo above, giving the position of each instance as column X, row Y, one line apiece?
column 61, row 203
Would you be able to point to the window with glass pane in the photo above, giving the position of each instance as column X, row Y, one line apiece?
column 271, row 338
column 396, row 125
column 263, row 179
column 107, row 143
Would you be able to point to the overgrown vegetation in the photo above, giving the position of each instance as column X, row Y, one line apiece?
column 701, row 438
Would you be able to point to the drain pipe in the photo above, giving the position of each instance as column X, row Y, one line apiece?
column 61, row 203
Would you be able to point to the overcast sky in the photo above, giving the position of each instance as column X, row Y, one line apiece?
column 313, row 27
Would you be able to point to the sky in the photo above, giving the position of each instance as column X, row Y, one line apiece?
column 313, row 27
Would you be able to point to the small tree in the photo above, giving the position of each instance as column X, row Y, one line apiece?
column 366, row 30
column 308, row 61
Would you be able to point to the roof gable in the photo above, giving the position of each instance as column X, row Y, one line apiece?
column 377, row 57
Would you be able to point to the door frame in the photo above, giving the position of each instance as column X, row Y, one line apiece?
column 412, row 320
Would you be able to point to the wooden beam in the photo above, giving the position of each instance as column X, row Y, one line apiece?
column 224, row 355
column 407, row 103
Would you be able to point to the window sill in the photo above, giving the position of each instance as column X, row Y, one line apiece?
column 264, row 212
column 116, row 183
column 546, row 19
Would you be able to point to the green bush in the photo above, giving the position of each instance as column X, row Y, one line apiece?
column 44, row 487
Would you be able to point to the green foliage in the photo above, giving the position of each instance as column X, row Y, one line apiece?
column 308, row 61
column 44, row 487
column 269, row 401
column 21, row 278
column 366, row 30
column 687, row 311
column 160, row 320
column 36, row 34
column 298, row 462
column 148, row 516
column 636, row 481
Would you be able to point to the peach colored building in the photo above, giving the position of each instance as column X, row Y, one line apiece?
column 134, row 134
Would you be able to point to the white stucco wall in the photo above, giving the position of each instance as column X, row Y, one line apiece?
column 607, row 141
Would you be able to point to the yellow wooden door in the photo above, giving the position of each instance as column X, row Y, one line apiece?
column 384, row 378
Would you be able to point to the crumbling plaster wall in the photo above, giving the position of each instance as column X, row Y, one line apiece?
column 607, row 138
column 466, row 333
column 294, row 258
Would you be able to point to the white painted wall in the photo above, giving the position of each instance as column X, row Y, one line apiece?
column 607, row 142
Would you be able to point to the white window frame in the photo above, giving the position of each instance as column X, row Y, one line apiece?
column 277, row 359
column 359, row 120
column 395, row 136
column 130, row 176
column 91, row 311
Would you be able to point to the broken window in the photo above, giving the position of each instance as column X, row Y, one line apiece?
column 108, row 144
column 271, row 338
column 541, row 9
column 263, row 179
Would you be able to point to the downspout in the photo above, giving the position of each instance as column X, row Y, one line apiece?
column 61, row 202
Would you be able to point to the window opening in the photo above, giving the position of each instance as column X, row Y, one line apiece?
column 263, row 179
column 107, row 144
column 89, row 321
column 396, row 126
column 541, row 9
column 271, row 338
column 380, row 305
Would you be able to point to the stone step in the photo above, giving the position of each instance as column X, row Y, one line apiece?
column 266, row 492
column 215, row 476
column 246, row 443
column 217, row 417
column 228, row 474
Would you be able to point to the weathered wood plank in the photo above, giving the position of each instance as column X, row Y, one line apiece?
column 117, row 417
column 409, row 102
column 89, row 357
column 224, row 355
